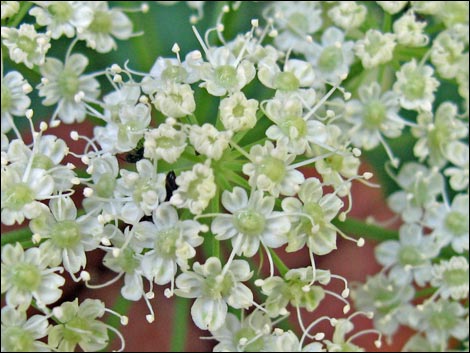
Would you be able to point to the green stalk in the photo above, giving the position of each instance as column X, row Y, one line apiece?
column 20, row 235
column 25, row 6
column 362, row 229
column 180, row 325
column 280, row 265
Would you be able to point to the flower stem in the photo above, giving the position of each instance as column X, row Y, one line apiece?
column 180, row 324
column 20, row 235
column 280, row 265
column 365, row 230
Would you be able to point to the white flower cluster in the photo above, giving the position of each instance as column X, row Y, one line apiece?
column 166, row 183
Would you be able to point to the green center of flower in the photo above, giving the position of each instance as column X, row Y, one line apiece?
column 226, row 76
column 102, row 22
column 61, row 10
column 16, row 339
column 127, row 260
column 166, row 241
column 105, row 185
column 26, row 277
column 249, row 222
column 68, row 83
column 298, row 23
column 457, row 223
column 256, row 345
column 374, row 114
column 415, row 87
column 174, row 73
column 335, row 162
column 6, row 98
column 330, row 58
column 165, row 142
column 456, row 277
column 296, row 122
column 42, row 161
column 286, row 81
column 217, row 287
column 66, row 234
column 409, row 255
column 443, row 320
column 386, row 300
column 273, row 168
column 17, row 196
column 26, row 44
column 238, row 111
column 315, row 211
column 76, row 330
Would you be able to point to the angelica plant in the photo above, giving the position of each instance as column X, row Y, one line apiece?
column 193, row 176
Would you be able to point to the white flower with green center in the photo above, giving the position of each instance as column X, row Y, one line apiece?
column 67, row 237
column 250, row 334
column 25, row 45
column 20, row 334
column 436, row 135
column 144, row 189
column 287, row 341
column 448, row 51
column 27, row 275
column 333, row 57
column 238, row 113
column 440, row 320
column 62, row 82
column 294, row 75
column 225, row 73
column 62, row 17
column 106, row 23
column 348, row 15
column 392, row 7
column 172, row 244
column 79, row 325
column 410, row 257
column 22, row 189
column 292, row 128
column 416, row 85
column 270, row 170
column 14, row 101
column 388, row 301
column 458, row 174
column 292, row 290
column 165, row 142
column 295, row 22
column 450, row 224
column 451, row 278
column 214, row 288
column 373, row 115
column 452, row 13
column 409, row 30
column 340, row 343
column 175, row 101
column 209, row 141
column 252, row 221
column 9, row 8
column 311, row 215
column 420, row 187
column 196, row 188
column 375, row 48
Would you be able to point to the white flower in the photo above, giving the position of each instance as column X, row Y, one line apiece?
column 426, row 7
column 62, row 82
column 294, row 75
column 269, row 170
column 106, row 23
column 311, row 218
column 416, row 85
column 373, row 115
column 252, row 221
column 22, row 334
column 195, row 188
column 392, row 7
column 214, row 287
column 172, row 244
column 409, row 31
column 67, row 237
column 451, row 278
column 348, row 14
column 9, row 8
column 287, row 341
column 62, row 17
column 376, row 48
column 176, row 100
column 26, row 275
column 164, row 142
column 458, row 155
column 208, row 141
column 25, row 45
column 410, row 257
column 453, row 12
column 15, row 101
column 333, row 57
column 238, row 113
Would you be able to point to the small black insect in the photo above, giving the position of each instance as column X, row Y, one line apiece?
column 170, row 185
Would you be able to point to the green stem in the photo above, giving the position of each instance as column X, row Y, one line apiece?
column 20, row 235
column 25, row 6
column 280, row 265
column 362, row 229
column 180, row 325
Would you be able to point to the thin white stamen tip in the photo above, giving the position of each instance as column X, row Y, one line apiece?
column 43, row 126
column 361, row 242
column 225, row 8
column 345, row 293
column 150, row 318
column 283, row 312
column 306, row 289
column 85, row 276
column 144, row 7
column 319, row 336
column 170, row 121
column 259, row 282
column 116, row 68
column 116, row 252
column 255, row 22
column 105, row 241
column 55, row 123
column 29, row 113
column 220, row 27
column 356, row 152
column 117, row 78
column 204, row 228
column 370, row 315
column 143, row 99
column 26, row 88
column 342, row 216
column 333, row 322
column 124, row 320
column 273, row 33
column 87, row 192
column 150, row 295
column 175, row 48
column 367, row 175
column 168, row 293
column 378, row 343
column 36, row 238
column 346, row 309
